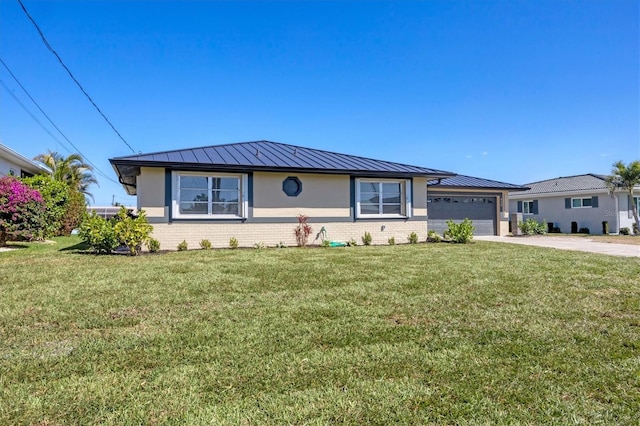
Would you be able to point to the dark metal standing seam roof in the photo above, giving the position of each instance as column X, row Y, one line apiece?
column 266, row 156
column 462, row 181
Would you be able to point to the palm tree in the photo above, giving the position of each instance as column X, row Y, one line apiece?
column 626, row 178
column 73, row 170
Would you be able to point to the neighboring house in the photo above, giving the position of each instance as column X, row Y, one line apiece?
column 583, row 199
column 483, row 201
column 14, row 164
column 254, row 191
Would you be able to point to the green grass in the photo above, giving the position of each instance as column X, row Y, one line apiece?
column 411, row 334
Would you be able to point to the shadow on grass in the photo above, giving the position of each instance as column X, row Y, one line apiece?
column 77, row 248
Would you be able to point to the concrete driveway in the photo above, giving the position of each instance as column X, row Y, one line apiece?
column 569, row 243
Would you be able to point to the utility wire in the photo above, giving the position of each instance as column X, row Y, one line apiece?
column 96, row 168
column 24, row 107
column 46, row 43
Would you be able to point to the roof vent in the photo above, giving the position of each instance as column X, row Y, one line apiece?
column 257, row 153
column 295, row 151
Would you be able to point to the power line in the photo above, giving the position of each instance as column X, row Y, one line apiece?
column 96, row 168
column 24, row 107
column 46, row 43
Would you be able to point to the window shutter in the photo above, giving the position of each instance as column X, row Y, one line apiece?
column 594, row 201
column 535, row 206
column 519, row 206
column 567, row 203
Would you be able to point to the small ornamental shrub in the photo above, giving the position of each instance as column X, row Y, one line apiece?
column 635, row 229
column 205, row 244
column 584, row 230
column 281, row 245
column 366, row 239
column 153, row 245
column 326, row 243
column 98, row 233
column 605, row 227
column 533, row 227
column 624, row 231
column 302, row 231
column 22, row 211
column 462, row 232
column 233, row 243
column 259, row 246
column 130, row 231
column 352, row 243
column 391, row 241
column 574, row 227
column 183, row 246
column 433, row 237
column 413, row 238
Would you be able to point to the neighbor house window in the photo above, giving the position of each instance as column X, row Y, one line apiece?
column 383, row 198
column 577, row 203
column 527, row 207
column 636, row 200
column 209, row 196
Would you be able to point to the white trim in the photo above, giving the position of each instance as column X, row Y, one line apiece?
column 23, row 162
column 582, row 206
column 175, row 196
column 530, row 212
column 406, row 206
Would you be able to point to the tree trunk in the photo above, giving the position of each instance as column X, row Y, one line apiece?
column 3, row 238
column 634, row 209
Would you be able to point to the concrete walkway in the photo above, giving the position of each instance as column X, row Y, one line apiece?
column 569, row 243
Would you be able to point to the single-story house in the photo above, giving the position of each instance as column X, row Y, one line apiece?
column 483, row 201
column 14, row 164
column 254, row 191
column 583, row 199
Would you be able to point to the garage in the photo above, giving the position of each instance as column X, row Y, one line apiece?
column 481, row 210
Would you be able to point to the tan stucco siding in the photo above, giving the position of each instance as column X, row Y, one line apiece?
column 151, row 193
column 419, row 197
column 321, row 196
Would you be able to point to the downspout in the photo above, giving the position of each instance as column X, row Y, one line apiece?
column 615, row 198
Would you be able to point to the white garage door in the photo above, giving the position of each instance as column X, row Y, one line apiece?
column 481, row 210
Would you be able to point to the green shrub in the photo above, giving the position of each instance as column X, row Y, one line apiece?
column 624, row 231
column 55, row 195
column 605, row 227
column 281, row 245
column 352, row 243
column 391, row 241
column 635, row 229
column 153, row 245
column 183, row 246
column 98, row 234
column 325, row 243
column 133, row 232
column 533, row 227
column 366, row 239
column 205, row 244
column 233, row 243
column 413, row 238
column 462, row 232
column 584, row 230
column 433, row 236
column 259, row 246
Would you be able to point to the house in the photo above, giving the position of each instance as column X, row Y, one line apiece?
column 14, row 164
column 583, row 199
column 483, row 201
column 254, row 192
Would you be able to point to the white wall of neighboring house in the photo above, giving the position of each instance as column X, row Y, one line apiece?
column 13, row 163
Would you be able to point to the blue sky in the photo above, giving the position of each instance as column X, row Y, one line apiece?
column 515, row 91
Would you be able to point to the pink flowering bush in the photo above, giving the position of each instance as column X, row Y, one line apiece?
column 21, row 211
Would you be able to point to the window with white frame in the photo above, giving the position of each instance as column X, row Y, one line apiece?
column 209, row 196
column 527, row 207
column 577, row 203
column 383, row 198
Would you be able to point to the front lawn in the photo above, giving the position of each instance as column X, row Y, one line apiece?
column 486, row 333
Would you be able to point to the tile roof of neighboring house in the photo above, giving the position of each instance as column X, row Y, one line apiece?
column 264, row 156
column 588, row 182
column 462, row 181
